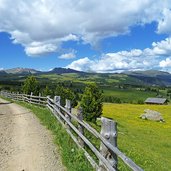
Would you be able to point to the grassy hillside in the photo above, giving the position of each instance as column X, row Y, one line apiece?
column 89, row 77
column 148, row 143
column 129, row 95
column 116, row 87
column 141, row 78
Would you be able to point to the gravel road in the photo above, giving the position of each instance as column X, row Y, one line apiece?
column 25, row 145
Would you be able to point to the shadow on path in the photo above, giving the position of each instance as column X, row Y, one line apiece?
column 6, row 103
column 2, row 115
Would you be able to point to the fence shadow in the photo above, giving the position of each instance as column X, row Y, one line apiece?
column 6, row 103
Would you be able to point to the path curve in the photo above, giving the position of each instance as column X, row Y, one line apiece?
column 25, row 145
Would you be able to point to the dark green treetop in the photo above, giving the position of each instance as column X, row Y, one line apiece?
column 66, row 93
column 91, row 103
column 31, row 85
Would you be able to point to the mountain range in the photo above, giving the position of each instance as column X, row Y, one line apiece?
column 149, row 77
column 25, row 71
column 20, row 71
column 152, row 77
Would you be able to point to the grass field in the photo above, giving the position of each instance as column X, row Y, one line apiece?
column 148, row 143
column 129, row 95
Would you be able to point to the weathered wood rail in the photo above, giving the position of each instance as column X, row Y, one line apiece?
column 106, row 158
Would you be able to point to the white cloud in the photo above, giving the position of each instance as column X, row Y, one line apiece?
column 70, row 55
column 49, row 23
column 166, row 63
column 40, row 49
column 84, row 64
column 128, row 60
column 164, row 25
column 163, row 47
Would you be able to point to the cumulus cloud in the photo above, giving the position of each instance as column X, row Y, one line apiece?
column 111, row 62
column 135, row 59
column 84, row 64
column 36, row 50
column 164, row 25
column 166, row 63
column 70, row 55
column 163, row 47
column 41, row 26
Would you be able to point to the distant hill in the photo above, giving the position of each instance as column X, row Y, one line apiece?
column 21, row 71
column 148, row 73
column 2, row 72
column 151, row 77
column 63, row 71
column 25, row 71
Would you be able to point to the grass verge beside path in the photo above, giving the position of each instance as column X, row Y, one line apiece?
column 72, row 157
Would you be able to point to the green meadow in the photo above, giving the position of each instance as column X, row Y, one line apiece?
column 129, row 95
column 147, row 143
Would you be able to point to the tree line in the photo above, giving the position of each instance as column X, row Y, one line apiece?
column 90, row 101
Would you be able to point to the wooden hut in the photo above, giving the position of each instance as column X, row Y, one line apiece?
column 159, row 101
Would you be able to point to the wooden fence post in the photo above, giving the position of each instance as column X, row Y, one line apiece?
column 23, row 97
column 68, row 108
column 39, row 97
column 47, row 99
column 31, row 97
column 17, row 95
column 80, row 127
column 10, row 95
column 13, row 96
column 109, row 132
column 57, row 100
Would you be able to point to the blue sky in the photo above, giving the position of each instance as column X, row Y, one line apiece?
column 90, row 35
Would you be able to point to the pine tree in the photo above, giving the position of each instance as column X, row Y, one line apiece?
column 31, row 85
column 46, row 91
column 91, row 103
column 66, row 93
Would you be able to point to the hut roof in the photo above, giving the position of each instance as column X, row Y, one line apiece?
column 156, row 100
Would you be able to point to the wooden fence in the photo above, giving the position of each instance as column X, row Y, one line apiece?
column 104, row 159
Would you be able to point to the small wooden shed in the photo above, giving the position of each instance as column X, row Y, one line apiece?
column 159, row 101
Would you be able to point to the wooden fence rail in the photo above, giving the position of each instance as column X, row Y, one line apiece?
column 103, row 159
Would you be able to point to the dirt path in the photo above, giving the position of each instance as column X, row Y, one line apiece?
column 25, row 145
